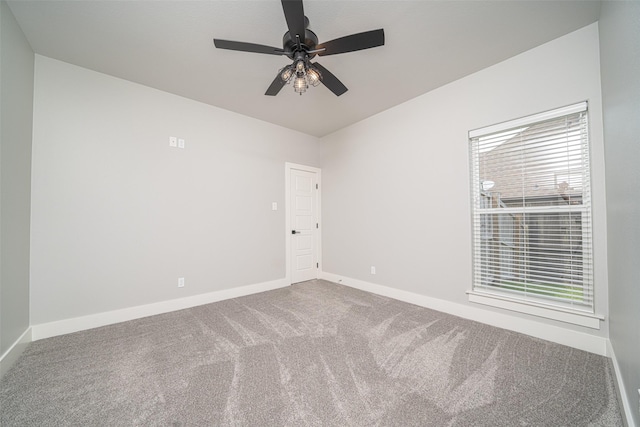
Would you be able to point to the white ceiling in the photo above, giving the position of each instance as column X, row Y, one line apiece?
column 168, row 45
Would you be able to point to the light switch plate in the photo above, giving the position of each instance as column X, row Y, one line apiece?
column 180, row 142
column 173, row 141
column 274, row 206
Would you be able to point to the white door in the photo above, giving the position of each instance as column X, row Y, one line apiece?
column 304, row 225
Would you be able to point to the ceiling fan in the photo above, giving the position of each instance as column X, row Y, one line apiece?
column 301, row 45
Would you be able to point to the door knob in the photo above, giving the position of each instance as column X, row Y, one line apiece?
column 295, row 232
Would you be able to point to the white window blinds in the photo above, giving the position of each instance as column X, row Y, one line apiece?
column 532, row 236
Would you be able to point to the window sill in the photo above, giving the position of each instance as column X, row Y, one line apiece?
column 583, row 319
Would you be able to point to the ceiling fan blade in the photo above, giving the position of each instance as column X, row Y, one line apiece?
column 276, row 85
column 330, row 81
column 247, row 47
column 351, row 43
column 294, row 14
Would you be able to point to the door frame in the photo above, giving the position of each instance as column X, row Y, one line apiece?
column 288, row 167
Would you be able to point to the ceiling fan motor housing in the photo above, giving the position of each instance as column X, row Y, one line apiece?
column 290, row 45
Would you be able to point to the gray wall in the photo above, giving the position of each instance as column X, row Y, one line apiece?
column 396, row 186
column 620, row 70
column 16, row 112
column 118, row 215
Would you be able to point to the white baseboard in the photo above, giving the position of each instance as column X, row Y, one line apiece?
column 11, row 355
column 579, row 340
column 67, row 326
column 620, row 389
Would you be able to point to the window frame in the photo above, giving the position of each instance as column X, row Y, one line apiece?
column 517, row 300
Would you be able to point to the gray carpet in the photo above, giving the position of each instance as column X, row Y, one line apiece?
column 313, row 354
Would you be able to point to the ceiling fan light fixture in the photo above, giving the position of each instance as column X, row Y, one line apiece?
column 300, row 85
column 286, row 73
column 313, row 76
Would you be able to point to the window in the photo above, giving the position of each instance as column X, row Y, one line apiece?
column 532, row 239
